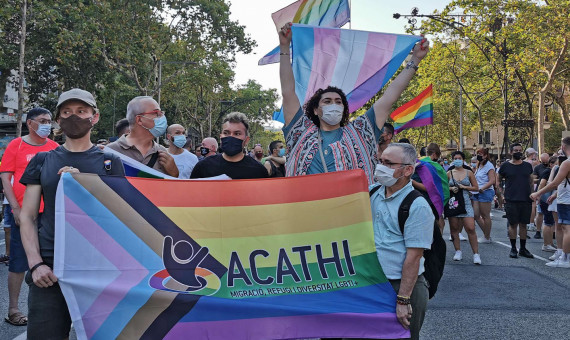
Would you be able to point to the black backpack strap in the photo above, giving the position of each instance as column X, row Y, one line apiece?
column 153, row 159
column 373, row 190
column 404, row 210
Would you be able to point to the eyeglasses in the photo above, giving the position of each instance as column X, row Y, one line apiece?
column 156, row 112
column 42, row 121
column 390, row 164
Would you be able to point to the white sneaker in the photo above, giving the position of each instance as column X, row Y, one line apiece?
column 549, row 248
column 457, row 256
column 561, row 262
column 450, row 238
column 482, row 239
column 476, row 259
column 462, row 238
column 556, row 255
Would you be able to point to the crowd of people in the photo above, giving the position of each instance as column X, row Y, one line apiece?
column 319, row 138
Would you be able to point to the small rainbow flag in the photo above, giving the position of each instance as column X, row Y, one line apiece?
column 417, row 112
column 141, row 258
column 326, row 13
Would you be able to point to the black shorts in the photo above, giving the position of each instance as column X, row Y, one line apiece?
column 518, row 212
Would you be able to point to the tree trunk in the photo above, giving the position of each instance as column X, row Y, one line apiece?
column 21, row 76
column 562, row 109
column 544, row 90
column 540, row 128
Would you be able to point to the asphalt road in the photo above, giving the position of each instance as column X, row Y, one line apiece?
column 502, row 299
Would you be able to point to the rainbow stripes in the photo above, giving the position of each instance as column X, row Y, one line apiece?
column 147, row 258
column 417, row 112
column 326, row 13
column 434, row 178
column 358, row 62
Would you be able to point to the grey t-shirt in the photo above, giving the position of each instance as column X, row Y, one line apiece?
column 90, row 161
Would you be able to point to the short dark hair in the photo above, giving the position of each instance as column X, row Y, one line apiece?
column 518, row 144
column 273, row 145
column 433, row 148
column 313, row 103
column 236, row 118
column 423, row 151
column 566, row 140
column 121, row 126
column 37, row 111
column 390, row 128
column 404, row 140
column 460, row 153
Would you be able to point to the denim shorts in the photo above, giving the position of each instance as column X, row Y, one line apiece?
column 8, row 216
column 548, row 217
column 486, row 197
column 563, row 213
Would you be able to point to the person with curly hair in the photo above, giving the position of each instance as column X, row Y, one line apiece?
column 319, row 136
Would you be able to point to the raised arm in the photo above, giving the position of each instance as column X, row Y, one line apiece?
column 290, row 101
column 383, row 106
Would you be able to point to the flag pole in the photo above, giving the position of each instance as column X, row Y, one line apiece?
column 350, row 13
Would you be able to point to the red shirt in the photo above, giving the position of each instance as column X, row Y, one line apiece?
column 16, row 158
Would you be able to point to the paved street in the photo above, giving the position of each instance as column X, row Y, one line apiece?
column 502, row 299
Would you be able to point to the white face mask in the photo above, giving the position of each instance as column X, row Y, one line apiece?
column 385, row 175
column 332, row 114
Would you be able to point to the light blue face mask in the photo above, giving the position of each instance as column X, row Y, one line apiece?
column 160, row 125
column 282, row 152
column 458, row 163
column 179, row 141
column 43, row 130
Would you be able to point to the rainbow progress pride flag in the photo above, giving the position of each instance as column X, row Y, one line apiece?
column 417, row 112
column 326, row 13
column 154, row 259
column 358, row 62
column 434, row 178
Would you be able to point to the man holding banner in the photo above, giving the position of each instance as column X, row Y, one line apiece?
column 321, row 139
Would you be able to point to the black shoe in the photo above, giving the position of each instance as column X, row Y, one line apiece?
column 513, row 254
column 525, row 253
column 537, row 235
column 505, row 216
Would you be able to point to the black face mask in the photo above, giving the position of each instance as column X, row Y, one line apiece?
column 204, row 151
column 561, row 159
column 479, row 158
column 517, row 155
column 231, row 146
column 75, row 127
column 545, row 164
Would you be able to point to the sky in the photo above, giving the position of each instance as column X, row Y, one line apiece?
column 367, row 15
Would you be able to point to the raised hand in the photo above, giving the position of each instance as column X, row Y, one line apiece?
column 285, row 35
column 421, row 49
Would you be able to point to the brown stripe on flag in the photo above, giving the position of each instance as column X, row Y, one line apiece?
column 159, row 301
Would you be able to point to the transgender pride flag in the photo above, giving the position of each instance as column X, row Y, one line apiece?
column 358, row 62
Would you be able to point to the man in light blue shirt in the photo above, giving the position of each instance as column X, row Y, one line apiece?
column 401, row 256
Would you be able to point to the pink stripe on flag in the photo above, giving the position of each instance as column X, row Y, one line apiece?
column 132, row 271
column 327, row 43
column 348, row 325
column 376, row 55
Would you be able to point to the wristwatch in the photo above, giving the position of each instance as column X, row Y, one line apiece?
column 411, row 64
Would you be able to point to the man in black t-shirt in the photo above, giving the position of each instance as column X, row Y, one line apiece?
column 232, row 160
column 518, row 206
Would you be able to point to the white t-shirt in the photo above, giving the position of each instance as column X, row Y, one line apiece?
column 482, row 175
column 185, row 163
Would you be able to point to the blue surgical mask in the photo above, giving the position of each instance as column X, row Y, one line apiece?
column 160, row 125
column 43, row 130
column 282, row 152
column 179, row 141
column 458, row 163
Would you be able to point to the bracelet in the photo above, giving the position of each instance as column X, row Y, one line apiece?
column 403, row 300
column 411, row 64
column 284, row 53
column 37, row 266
